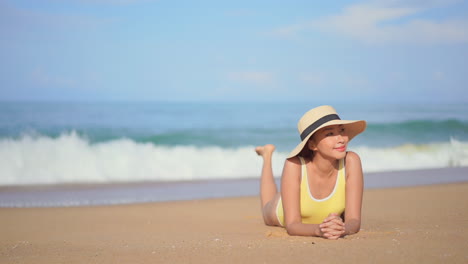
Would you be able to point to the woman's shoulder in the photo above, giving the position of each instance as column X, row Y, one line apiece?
column 292, row 167
column 294, row 161
column 352, row 157
column 353, row 164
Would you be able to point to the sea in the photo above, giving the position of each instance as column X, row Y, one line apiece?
column 72, row 153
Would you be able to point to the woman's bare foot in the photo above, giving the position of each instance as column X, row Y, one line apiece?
column 266, row 150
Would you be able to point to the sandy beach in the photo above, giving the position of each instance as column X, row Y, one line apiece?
column 423, row 224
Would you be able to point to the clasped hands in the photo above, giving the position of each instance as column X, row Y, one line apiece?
column 332, row 227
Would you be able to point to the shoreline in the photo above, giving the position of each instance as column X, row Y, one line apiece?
column 400, row 225
column 90, row 194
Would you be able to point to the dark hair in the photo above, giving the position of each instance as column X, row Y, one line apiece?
column 306, row 152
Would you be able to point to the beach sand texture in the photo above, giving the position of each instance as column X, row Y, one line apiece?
column 426, row 224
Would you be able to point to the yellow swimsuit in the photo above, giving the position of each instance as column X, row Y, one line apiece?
column 314, row 211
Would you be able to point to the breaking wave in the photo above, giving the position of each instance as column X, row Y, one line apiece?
column 71, row 158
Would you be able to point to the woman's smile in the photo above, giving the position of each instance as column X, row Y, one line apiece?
column 341, row 148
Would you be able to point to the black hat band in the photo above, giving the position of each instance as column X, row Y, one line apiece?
column 318, row 123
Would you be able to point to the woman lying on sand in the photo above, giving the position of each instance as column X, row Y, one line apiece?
column 320, row 179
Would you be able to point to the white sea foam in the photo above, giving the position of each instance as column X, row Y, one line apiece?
column 73, row 159
column 410, row 156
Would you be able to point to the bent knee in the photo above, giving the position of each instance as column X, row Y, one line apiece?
column 269, row 214
column 267, row 219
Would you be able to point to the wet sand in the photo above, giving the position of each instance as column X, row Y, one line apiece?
column 422, row 224
column 91, row 194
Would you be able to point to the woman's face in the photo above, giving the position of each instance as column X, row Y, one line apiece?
column 330, row 142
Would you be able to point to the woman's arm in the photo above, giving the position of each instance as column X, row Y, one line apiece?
column 290, row 195
column 354, row 191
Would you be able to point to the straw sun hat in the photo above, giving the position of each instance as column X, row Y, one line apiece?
column 320, row 117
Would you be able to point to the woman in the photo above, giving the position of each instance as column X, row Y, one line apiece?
column 320, row 179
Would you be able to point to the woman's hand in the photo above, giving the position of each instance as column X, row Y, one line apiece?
column 332, row 227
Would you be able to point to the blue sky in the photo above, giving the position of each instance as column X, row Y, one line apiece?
column 144, row 50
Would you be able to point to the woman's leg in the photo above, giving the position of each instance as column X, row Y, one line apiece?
column 269, row 195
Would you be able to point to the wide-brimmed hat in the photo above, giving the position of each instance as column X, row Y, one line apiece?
column 320, row 117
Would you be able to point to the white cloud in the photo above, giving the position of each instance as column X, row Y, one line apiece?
column 357, row 81
column 287, row 31
column 438, row 75
column 41, row 77
column 374, row 22
column 397, row 76
column 15, row 21
column 312, row 78
column 252, row 77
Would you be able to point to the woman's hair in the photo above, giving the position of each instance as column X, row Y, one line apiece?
column 306, row 152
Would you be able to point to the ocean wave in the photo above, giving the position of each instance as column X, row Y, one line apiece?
column 413, row 132
column 414, row 156
column 421, row 126
column 71, row 158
